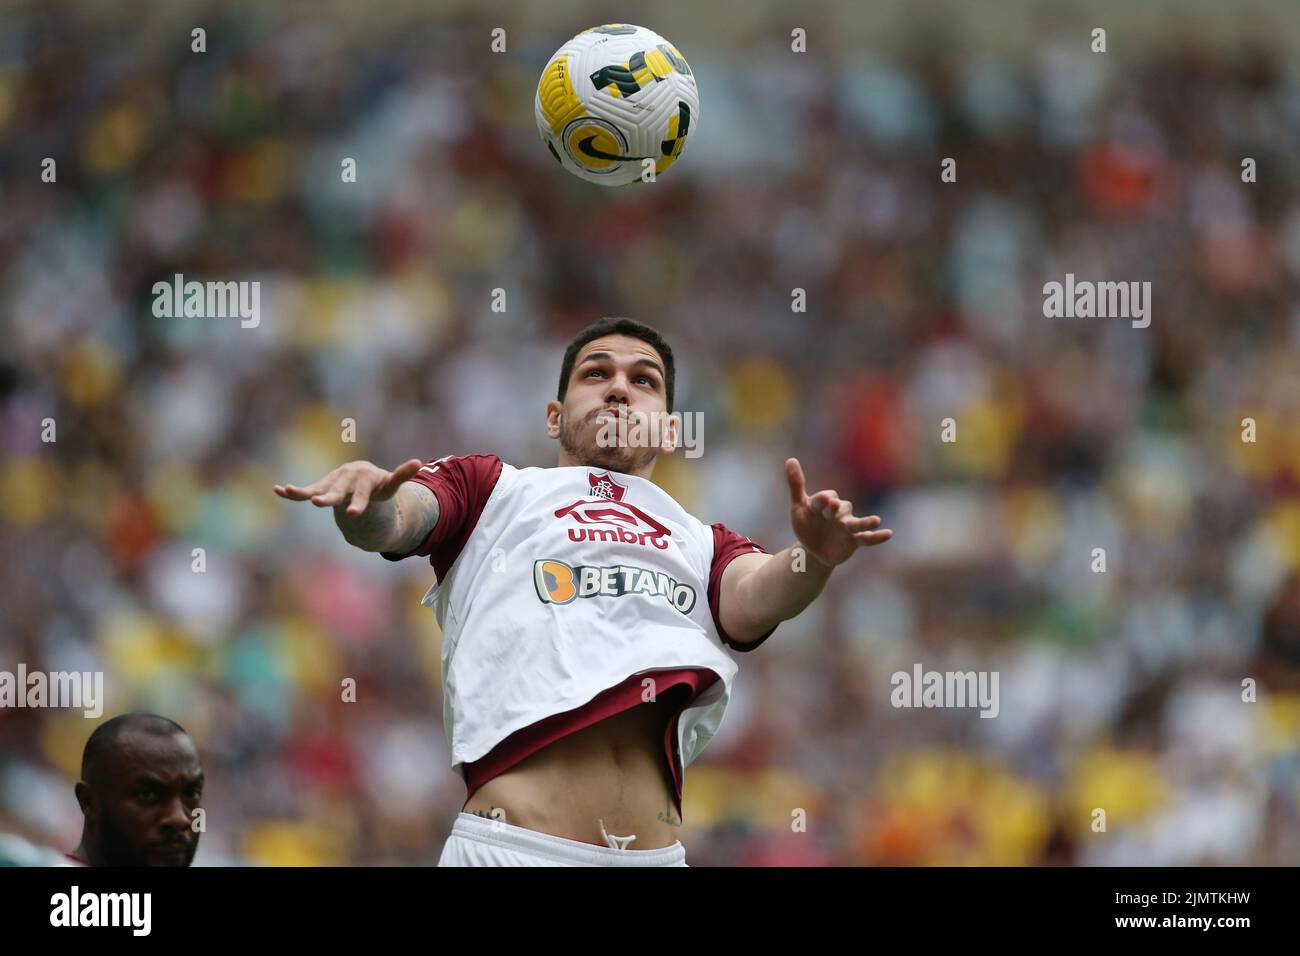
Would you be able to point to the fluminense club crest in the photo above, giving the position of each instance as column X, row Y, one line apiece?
column 603, row 486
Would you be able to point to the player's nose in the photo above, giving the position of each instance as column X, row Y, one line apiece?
column 617, row 392
column 175, row 817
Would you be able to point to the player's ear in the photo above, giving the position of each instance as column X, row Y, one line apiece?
column 672, row 430
column 553, row 412
column 85, row 797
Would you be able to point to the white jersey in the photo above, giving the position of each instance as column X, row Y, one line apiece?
column 555, row 584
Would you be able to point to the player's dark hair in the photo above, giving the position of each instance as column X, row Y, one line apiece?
column 619, row 326
column 105, row 736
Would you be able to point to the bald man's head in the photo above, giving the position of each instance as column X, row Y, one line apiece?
column 141, row 782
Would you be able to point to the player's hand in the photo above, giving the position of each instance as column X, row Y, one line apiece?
column 355, row 485
column 825, row 525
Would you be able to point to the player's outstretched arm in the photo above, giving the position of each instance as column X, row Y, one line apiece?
column 376, row 510
column 759, row 591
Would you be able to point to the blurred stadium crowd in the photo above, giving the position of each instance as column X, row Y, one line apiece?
column 1120, row 690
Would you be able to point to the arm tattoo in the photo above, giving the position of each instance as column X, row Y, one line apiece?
column 397, row 525
column 417, row 515
column 370, row 530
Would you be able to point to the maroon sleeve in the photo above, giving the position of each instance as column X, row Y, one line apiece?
column 726, row 546
column 462, row 484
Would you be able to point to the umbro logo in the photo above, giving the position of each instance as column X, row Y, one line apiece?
column 613, row 520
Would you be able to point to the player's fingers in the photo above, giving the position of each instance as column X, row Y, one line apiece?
column 392, row 480
column 334, row 495
column 360, row 498
column 874, row 537
column 406, row 469
column 824, row 503
column 869, row 523
column 845, row 509
column 794, row 477
column 294, row 493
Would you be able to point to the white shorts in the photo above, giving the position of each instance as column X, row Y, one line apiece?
column 475, row 841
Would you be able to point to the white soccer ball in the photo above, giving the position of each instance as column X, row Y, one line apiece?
column 613, row 97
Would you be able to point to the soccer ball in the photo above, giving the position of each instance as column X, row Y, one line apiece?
column 613, row 97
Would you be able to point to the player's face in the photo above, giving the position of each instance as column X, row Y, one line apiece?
column 614, row 376
column 144, row 807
